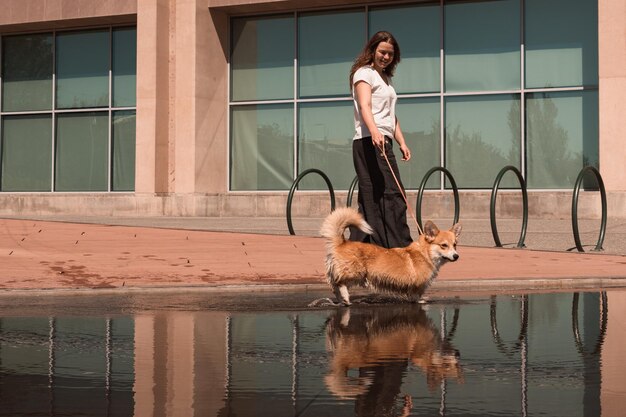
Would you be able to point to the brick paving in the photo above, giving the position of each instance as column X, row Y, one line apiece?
column 53, row 255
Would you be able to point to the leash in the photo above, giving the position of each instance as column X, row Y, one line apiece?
column 419, row 229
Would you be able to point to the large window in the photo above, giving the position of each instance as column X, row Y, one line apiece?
column 481, row 85
column 68, row 111
column 262, row 147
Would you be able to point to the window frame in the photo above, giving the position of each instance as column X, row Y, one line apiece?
column 521, row 92
column 109, row 109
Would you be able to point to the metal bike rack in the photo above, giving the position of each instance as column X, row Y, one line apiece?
column 521, row 345
column 523, row 332
column 579, row 181
column 293, row 190
column 420, row 194
column 603, row 323
column 353, row 185
column 492, row 206
column 449, row 334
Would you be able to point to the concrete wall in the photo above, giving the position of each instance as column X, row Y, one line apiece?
column 182, row 115
column 473, row 205
column 182, row 81
column 612, row 73
column 20, row 15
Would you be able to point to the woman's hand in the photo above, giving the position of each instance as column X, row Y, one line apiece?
column 406, row 152
column 378, row 139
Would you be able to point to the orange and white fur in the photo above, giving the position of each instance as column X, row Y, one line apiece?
column 402, row 271
column 366, row 338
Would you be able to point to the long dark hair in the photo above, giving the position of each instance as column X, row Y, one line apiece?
column 366, row 57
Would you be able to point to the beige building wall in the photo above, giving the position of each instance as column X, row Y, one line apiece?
column 181, row 98
column 182, row 114
column 196, row 158
column 612, row 101
column 53, row 14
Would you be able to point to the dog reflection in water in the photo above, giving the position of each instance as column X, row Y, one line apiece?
column 380, row 344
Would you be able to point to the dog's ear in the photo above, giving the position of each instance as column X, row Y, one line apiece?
column 456, row 229
column 430, row 231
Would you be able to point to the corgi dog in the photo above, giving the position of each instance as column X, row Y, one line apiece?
column 392, row 338
column 404, row 271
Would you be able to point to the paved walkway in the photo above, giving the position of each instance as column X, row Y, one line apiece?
column 42, row 254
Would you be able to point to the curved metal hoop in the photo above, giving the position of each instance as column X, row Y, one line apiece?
column 455, row 323
column 293, row 190
column 579, row 181
column 604, row 308
column 420, row 194
column 353, row 185
column 523, row 332
column 492, row 206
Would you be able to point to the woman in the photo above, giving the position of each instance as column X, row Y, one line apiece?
column 380, row 199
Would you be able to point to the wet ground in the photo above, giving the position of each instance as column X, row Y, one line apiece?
column 190, row 353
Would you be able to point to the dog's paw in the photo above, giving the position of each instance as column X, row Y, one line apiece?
column 323, row 302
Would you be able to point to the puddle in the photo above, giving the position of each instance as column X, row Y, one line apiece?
column 554, row 354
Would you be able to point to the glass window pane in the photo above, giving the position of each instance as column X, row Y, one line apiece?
column 82, row 152
column 27, row 72
column 482, row 52
column 559, row 54
column 417, row 30
column 327, row 46
column 482, row 137
column 562, row 137
column 82, row 69
column 124, row 67
column 26, row 153
column 325, row 132
column 262, row 58
column 124, row 123
column 262, row 147
column 420, row 124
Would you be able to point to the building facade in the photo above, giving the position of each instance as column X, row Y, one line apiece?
column 213, row 107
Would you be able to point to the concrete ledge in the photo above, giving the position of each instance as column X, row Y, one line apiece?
column 435, row 204
column 473, row 286
column 512, row 285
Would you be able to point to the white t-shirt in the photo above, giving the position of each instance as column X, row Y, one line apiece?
column 383, row 103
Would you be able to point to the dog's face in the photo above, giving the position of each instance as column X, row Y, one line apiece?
column 439, row 365
column 442, row 242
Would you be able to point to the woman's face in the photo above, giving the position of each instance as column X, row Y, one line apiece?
column 383, row 55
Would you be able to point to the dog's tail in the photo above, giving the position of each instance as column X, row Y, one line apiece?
column 337, row 222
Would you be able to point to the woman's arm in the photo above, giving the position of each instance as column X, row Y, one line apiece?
column 406, row 152
column 363, row 93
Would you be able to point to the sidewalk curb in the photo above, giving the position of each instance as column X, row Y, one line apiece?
column 457, row 285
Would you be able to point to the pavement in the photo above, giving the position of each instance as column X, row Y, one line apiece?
column 43, row 254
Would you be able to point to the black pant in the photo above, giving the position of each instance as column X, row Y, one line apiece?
column 380, row 200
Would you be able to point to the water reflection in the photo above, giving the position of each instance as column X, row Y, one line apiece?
column 381, row 344
column 541, row 354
